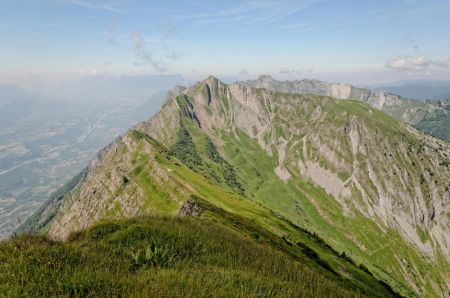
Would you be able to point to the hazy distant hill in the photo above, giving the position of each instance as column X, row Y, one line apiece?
column 45, row 140
column 419, row 90
column 129, row 88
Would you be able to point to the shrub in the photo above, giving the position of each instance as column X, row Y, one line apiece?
column 324, row 264
column 308, row 251
column 152, row 256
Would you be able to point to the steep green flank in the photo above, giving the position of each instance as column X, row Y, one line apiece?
column 196, row 150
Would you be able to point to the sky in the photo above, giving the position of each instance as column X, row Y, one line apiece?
column 360, row 42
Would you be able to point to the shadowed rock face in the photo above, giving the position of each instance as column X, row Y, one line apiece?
column 364, row 181
column 190, row 207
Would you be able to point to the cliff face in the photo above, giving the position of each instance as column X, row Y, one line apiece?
column 371, row 186
column 366, row 160
column 337, row 90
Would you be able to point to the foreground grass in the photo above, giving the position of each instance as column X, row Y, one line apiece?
column 158, row 258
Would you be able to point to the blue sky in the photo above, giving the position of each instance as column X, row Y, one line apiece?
column 355, row 41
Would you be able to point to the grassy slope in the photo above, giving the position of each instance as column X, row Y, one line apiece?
column 241, row 249
column 198, row 258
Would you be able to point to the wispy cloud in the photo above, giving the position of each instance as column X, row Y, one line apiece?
column 99, row 5
column 146, row 57
column 251, row 13
column 417, row 64
column 111, row 33
column 143, row 55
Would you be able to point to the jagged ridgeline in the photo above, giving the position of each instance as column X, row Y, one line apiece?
column 363, row 197
column 431, row 116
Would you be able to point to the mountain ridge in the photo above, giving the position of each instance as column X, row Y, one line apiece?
column 431, row 116
column 331, row 174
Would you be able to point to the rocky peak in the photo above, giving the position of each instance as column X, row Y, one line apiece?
column 211, row 80
column 176, row 91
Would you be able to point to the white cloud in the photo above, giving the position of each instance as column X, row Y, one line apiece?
column 416, row 64
column 409, row 63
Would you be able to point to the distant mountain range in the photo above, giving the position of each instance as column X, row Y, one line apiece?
column 431, row 116
column 421, row 90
